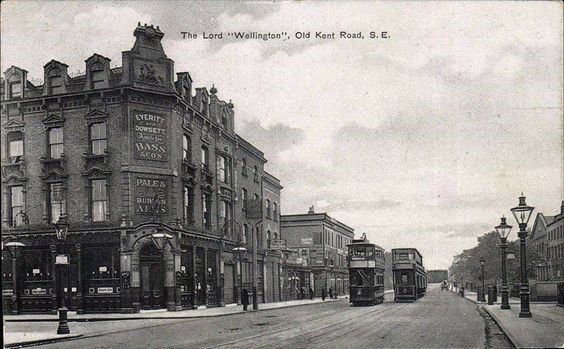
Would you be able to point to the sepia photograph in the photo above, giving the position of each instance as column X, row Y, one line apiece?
column 282, row 174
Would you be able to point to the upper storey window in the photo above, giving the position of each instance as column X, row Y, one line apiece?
column 98, row 75
column 223, row 169
column 55, row 142
column 205, row 158
column 255, row 173
column 98, row 140
column 244, row 166
column 55, row 81
column 186, row 148
column 15, row 89
column 15, row 146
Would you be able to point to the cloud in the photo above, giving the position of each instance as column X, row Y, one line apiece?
column 416, row 140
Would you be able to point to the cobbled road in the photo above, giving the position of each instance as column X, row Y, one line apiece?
column 441, row 319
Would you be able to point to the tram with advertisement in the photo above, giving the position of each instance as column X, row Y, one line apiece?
column 410, row 277
column 366, row 272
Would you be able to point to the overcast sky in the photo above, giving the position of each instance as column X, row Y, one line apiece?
column 421, row 140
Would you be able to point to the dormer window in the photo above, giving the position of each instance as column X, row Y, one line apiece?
column 55, row 142
column 55, row 81
column 15, row 146
column 15, row 89
column 98, row 75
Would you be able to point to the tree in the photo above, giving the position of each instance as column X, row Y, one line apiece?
column 467, row 264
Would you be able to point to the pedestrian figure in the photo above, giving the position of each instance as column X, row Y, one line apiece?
column 302, row 293
column 330, row 293
column 245, row 299
column 310, row 294
column 323, row 293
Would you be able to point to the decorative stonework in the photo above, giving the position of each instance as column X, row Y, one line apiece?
column 148, row 75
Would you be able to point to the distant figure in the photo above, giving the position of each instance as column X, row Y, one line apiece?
column 245, row 299
column 323, row 294
column 302, row 293
column 310, row 293
column 330, row 293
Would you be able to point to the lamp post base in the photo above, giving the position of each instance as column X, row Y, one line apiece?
column 63, row 321
column 505, row 298
column 525, row 314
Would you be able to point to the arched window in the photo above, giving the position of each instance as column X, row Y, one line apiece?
column 244, row 197
column 255, row 172
column 244, row 166
column 268, row 208
column 268, row 237
column 223, row 169
column 246, row 237
column 186, row 148
column 275, row 211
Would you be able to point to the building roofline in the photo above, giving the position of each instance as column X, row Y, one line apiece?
column 322, row 215
column 251, row 148
column 272, row 180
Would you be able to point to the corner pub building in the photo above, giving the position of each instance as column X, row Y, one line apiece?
column 147, row 173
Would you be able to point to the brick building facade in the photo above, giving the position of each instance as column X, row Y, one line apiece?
column 147, row 170
column 321, row 243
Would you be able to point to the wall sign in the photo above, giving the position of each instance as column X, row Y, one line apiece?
column 150, row 136
column 105, row 290
column 150, row 195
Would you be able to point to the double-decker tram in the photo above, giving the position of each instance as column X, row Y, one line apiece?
column 366, row 272
column 410, row 277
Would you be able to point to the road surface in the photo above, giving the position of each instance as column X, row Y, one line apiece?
column 441, row 319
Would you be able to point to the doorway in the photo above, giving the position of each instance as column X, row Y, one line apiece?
column 152, row 278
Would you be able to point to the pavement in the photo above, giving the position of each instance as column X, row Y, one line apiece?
column 433, row 321
column 33, row 329
column 545, row 329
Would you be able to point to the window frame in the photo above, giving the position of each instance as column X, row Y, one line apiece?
column 10, row 140
column 51, row 144
column 51, row 203
column 103, row 140
column 13, row 216
column 93, row 201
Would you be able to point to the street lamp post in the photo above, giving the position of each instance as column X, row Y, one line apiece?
column 503, row 230
column 483, row 293
column 15, row 251
column 522, row 213
column 239, row 249
column 61, row 229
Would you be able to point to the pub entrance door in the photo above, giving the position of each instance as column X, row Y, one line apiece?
column 152, row 277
